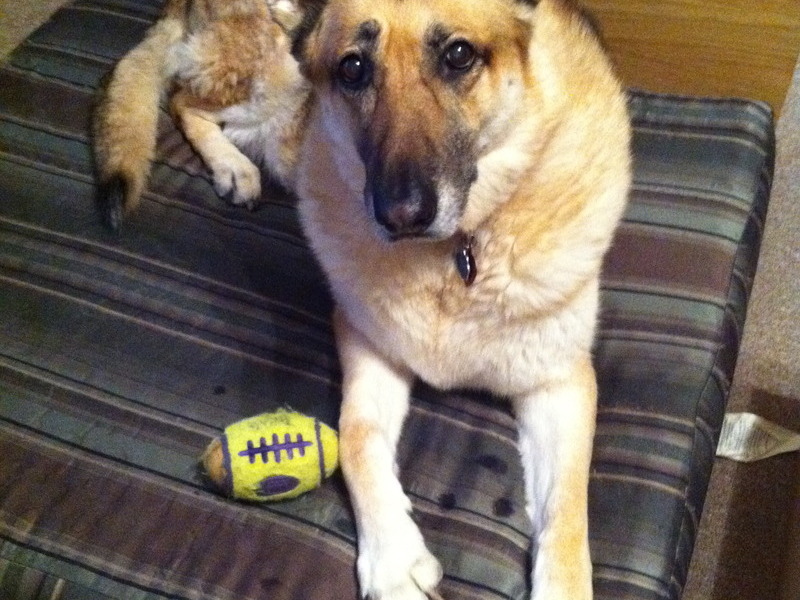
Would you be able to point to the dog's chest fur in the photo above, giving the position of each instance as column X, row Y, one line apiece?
column 547, row 199
column 502, row 333
column 488, row 336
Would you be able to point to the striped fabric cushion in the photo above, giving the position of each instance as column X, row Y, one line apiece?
column 122, row 355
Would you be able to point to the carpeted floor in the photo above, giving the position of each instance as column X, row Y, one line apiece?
column 18, row 18
column 749, row 538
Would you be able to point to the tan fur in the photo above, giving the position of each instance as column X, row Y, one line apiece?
column 541, row 230
column 127, row 115
column 525, row 152
column 211, row 57
column 553, row 171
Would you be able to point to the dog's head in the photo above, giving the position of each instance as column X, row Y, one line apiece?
column 423, row 89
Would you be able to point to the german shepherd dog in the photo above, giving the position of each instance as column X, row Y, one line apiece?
column 460, row 167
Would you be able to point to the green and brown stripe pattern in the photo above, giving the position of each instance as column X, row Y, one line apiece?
column 122, row 355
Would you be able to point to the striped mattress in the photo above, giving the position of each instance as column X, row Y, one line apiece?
column 123, row 354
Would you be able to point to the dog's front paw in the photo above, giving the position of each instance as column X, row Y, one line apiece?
column 398, row 566
column 237, row 179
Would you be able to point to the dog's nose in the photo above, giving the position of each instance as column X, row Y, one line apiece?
column 405, row 218
column 405, row 204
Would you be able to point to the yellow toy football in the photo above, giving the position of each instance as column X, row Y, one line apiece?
column 273, row 456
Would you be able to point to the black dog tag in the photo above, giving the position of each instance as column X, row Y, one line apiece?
column 465, row 261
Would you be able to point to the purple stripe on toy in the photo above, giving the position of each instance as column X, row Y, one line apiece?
column 321, row 454
column 263, row 449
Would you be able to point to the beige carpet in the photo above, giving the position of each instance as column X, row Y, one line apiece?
column 749, row 538
column 18, row 18
column 749, row 541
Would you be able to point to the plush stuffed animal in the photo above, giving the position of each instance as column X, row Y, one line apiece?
column 273, row 456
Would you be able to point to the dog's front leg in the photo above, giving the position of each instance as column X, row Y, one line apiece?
column 233, row 173
column 393, row 561
column 556, row 429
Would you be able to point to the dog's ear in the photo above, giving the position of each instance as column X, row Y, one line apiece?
column 288, row 14
column 525, row 9
column 587, row 20
column 525, row 13
column 305, row 35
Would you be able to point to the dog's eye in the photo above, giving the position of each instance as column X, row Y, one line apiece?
column 353, row 71
column 459, row 56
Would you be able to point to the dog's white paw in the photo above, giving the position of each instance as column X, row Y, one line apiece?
column 398, row 566
column 239, row 179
